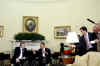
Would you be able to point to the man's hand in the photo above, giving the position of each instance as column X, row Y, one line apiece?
column 43, row 51
column 72, row 46
column 17, row 60
column 96, row 41
column 24, row 58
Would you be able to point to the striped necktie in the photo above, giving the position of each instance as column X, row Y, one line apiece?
column 87, row 41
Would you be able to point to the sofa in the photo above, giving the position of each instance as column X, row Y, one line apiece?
column 89, row 59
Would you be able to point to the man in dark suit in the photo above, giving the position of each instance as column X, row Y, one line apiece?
column 88, row 42
column 20, row 54
column 44, row 55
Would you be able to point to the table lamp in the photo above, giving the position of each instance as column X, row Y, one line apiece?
column 72, row 37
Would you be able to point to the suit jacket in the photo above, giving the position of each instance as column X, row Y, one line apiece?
column 82, row 44
column 17, row 53
column 47, row 55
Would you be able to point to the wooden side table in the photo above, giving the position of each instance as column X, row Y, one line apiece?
column 68, row 60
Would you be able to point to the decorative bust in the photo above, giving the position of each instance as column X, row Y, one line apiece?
column 96, row 27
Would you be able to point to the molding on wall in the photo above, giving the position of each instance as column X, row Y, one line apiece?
column 41, row 1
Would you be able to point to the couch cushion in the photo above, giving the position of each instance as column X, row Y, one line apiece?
column 94, row 59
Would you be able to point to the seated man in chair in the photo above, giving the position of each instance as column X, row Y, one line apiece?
column 20, row 54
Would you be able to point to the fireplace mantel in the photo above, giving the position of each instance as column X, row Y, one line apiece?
column 28, row 44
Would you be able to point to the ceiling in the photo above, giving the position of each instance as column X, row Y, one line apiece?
column 42, row 0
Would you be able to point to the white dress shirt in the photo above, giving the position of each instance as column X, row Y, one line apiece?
column 21, row 54
column 43, row 53
column 89, row 44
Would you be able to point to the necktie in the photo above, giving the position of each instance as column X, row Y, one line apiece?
column 87, row 41
column 20, row 56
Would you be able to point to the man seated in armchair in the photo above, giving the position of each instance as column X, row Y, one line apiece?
column 20, row 54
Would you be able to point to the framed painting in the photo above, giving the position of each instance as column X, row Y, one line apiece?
column 60, row 32
column 30, row 24
column 1, row 30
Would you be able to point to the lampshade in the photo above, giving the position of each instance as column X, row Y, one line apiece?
column 72, row 37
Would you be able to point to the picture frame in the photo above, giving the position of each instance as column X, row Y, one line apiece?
column 30, row 24
column 1, row 31
column 60, row 32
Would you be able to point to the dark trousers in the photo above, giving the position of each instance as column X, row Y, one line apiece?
column 81, row 52
column 43, row 65
column 93, row 49
column 20, row 63
column 17, row 64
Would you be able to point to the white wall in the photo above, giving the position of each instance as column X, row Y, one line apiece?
column 70, row 12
